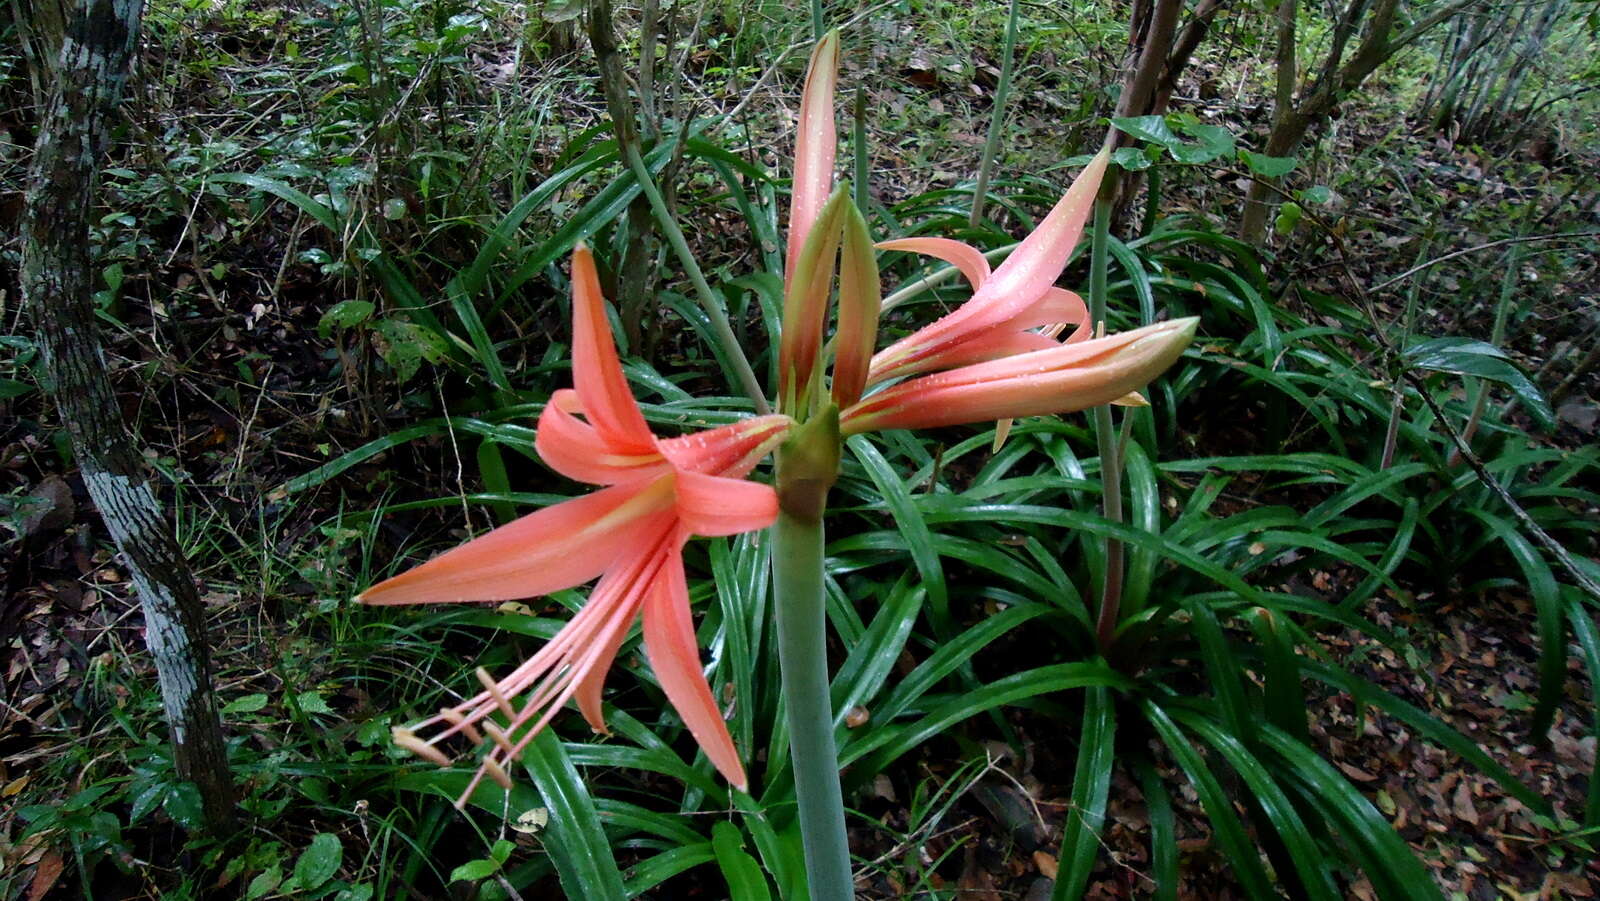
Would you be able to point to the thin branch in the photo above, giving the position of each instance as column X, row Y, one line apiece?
column 1528, row 523
column 1564, row 236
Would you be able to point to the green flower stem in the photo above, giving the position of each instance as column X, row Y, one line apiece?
column 1105, row 432
column 713, row 307
column 807, row 467
column 997, row 119
column 803, row 660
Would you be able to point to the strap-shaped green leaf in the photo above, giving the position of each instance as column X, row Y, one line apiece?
column 1091, row 785
column 577, row 844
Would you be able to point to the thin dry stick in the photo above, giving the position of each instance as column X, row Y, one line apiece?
column 1556, row 549
column 1562, row 236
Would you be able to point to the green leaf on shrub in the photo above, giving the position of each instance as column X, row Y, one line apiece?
column 1131, row 159
column 319, row 861
column 312, row 702
column 247, row 704
column 183, row 805
column 1211, row 141
column 1147, row 128
column 1317, row 194
column 265, row 882
column 345, row 314
column 1268, row 166
column 473, row 870
column 1288, row 218
column 405, row 345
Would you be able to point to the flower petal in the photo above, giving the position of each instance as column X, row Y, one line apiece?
column 1022, row 281
column 554, row 548
column 805, row 301
column 815, row 145
column 596, row 370
column 970, row 260
column 573, row 448
column 712, row 506
column 669, row 642
column 1036, row 264
column 991, row 344
column 731, row 450
column 1059, row 380
column 1058, row 306
column 860, row 301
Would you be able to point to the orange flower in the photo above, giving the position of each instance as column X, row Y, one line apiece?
column 1008, row 304
column 996, row 356
column 630, row 534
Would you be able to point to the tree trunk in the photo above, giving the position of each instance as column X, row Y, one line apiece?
column 40, row 26
column 57, row 283
column 1150, row 41
column 1293, row 119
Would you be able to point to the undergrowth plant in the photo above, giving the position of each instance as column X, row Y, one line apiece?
column 964, row 576
column 1205, row 674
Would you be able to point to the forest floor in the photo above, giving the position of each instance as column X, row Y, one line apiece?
column 243, row 394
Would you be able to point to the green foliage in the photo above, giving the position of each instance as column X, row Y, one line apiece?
column 959, row 580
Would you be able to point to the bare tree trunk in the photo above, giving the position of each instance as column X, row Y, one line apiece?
column 40, row 26
column 57, row 284
column 1294, row 118
column 1150, row 41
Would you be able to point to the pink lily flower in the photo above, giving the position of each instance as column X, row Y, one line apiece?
column 659, row 493
column 1061, row 379
column 997, row 357
column 1006, row 305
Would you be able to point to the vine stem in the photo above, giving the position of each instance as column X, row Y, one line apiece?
column 803, row 662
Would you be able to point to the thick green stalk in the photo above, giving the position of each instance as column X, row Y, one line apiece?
column 803, row 659
column 807, row 466
column 719, row 317
column 997, row 119
column 1105, row 430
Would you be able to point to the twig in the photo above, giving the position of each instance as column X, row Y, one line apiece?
column 1563, row 236
column 1556, row 548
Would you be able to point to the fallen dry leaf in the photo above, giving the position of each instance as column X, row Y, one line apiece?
column 44, row 878
column 1463, row 805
